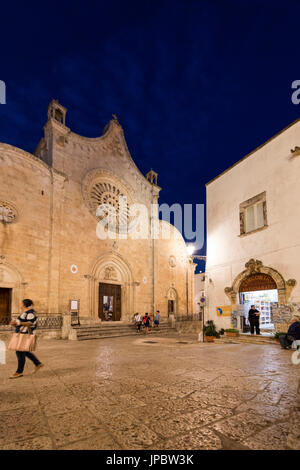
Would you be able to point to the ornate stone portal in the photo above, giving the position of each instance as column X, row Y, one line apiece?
column 260, row 277
column 110, row 273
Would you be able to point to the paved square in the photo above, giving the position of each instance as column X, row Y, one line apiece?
column 151, row 393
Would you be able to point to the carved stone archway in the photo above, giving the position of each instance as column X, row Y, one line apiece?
column 172, row 295
column 253, row 267
column 111, row 268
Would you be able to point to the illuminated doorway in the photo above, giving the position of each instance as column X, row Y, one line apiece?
column 109, row 302
column 260, row 290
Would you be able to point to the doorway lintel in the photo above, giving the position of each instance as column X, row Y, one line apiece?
column 256, row 267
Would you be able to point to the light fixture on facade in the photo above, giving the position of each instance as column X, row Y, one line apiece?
column 190, row 250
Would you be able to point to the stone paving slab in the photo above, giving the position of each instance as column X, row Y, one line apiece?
column 128, row 394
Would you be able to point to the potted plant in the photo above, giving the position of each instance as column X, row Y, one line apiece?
column 232, row 332
column 210, row 331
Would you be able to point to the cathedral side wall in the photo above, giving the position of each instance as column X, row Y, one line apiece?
column 24, row 245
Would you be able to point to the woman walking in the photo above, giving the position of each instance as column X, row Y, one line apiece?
column 25, row 324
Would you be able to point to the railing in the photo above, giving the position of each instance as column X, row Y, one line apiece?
column 4, row 321
column 189, row 317
column 46, row 321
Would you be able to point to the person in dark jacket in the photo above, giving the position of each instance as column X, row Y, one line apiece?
column 146, row 321
column 253, row 317
column 25, row 324
column 292, row 335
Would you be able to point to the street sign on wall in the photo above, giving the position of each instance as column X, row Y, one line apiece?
column 224, row 311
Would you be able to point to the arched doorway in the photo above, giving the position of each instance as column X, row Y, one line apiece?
column 111, row 288
column 11, row 290
column 172, row 301
column 258, row 289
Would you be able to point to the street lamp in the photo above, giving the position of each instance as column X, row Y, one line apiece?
column 190, row 249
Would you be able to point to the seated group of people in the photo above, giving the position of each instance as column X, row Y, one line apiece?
column 147, row 321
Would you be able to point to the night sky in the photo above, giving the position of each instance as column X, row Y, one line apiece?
column 196, row 84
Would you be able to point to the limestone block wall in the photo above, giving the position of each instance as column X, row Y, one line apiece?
column 25, row 182
column 282, row 314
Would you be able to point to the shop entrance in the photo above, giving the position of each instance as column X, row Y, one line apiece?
column 260, row 290
column 109, row 302
column 5, row 305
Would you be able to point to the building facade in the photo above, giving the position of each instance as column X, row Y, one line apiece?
column 199, row 287
column 253, row 226
column 50, row 250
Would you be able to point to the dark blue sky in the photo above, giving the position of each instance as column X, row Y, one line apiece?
column 196, row 84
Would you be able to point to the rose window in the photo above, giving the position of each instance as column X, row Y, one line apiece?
column 108, row 202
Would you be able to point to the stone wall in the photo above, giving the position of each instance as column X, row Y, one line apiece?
column 282, row 314
column 189, row 327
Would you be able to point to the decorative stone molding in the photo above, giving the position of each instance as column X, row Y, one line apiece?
column 231, row 294
column 110, row 274
column 123, row 272
column 243, row 208
column 8, row 212
column 172, row 294
column 290, row 284
column 172, row 261
column 255, row 266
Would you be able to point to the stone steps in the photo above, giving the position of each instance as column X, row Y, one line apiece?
column 247, row 339
column 115, row 331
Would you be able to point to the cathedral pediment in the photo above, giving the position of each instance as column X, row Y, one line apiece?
column 76, row 155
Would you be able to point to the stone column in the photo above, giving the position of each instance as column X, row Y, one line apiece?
column 56, row 223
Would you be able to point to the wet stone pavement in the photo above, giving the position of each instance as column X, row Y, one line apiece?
column 151, row 393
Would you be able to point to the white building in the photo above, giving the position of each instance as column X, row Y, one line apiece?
column 253, row 232
column 199, row 284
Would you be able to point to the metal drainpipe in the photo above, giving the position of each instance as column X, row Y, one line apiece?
column 203, row 309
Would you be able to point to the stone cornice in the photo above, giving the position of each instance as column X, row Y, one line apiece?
column 29, row 158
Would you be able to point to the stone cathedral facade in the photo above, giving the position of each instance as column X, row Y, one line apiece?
column 49, row 250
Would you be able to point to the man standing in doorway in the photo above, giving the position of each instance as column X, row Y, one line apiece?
column 253, row 317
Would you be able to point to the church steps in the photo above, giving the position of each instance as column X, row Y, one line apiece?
column 114, row 331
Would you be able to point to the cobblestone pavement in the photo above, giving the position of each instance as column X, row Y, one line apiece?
column 151, row 393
